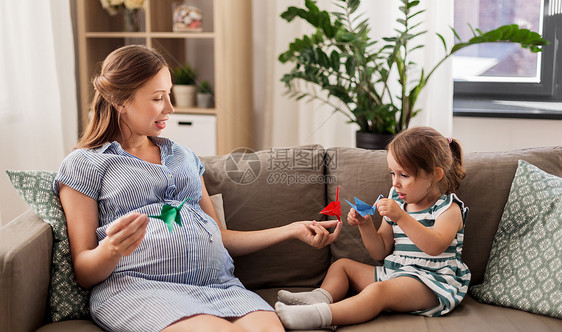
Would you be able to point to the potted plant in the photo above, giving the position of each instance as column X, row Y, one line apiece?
column 184, row 88
column 205, row 95
column 341, row 59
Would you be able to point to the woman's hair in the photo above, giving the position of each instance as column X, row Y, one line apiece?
column 123, row 72
column 423, row 148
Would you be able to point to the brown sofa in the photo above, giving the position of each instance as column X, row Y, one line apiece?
column 274, row 187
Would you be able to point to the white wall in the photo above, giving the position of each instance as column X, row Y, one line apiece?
column 491, row 134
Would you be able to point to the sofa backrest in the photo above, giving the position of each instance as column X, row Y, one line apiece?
column 363, row 174
column 272, row 188
column 296, row 183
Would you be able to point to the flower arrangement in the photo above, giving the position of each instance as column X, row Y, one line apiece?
column 113, row 6
column 187, row 19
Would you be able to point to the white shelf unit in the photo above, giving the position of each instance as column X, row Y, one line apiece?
column 221, row 54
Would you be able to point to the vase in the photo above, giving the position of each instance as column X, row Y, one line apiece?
column 372, row 141
column 184, row 95
column 204, row 100
column 132, row 20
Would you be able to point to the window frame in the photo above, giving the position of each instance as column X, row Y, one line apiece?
column 478, row 98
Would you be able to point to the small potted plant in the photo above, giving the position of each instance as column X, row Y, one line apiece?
column 184, row 86
column 205, row 95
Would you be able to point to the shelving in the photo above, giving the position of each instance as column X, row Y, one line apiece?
column 221, row 54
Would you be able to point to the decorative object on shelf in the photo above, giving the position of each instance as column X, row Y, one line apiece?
column 205, row 95
column 131, row 12
column 184, row 88
column 132, row 20
column 340, row 58
column 187, row 18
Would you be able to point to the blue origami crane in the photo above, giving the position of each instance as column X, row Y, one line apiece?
column 363, row 208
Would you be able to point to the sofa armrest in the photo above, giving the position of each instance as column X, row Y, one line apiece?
column 25, row 261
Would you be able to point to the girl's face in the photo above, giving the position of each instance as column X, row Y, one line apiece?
column 146, row 114
column 418, row 192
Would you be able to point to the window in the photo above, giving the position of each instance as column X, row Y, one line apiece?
column 503, row 79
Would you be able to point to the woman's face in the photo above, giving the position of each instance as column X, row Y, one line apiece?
column 146, row 114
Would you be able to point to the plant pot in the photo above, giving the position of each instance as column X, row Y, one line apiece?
column 372, row 141
column 184, row 95
column 204, row 100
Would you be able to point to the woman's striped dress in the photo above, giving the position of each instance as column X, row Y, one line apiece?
column 170, row 275
column 446, row 275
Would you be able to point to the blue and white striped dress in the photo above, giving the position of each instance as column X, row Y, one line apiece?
column 446, row 275
column 170, row 275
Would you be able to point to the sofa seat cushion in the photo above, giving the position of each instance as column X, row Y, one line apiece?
column 469, row 316
column 272, row 188
column 71, row 326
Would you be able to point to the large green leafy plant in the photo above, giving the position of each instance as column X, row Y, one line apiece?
column 341, row 59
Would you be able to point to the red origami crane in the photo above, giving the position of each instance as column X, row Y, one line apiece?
column 334, row 208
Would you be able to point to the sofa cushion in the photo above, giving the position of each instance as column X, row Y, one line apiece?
column 359, row 173
column 266, row 189
column 526, row 257
column 67, row 299
column 216, row 199
column 485, row 190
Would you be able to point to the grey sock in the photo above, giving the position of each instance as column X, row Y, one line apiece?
column 317, row 295
column 312, row 316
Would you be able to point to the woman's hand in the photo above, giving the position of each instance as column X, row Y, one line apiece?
column 126, row 233
column 355, row 219
column 389, row 208
column 315, row 233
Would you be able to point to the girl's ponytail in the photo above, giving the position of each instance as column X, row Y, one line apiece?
column 457, row 172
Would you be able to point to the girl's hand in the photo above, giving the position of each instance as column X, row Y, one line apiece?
column 315, row 233
column 389, row 208
column 126, row 233
column 355, row 219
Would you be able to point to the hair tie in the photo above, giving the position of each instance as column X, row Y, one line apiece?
column 450, row 139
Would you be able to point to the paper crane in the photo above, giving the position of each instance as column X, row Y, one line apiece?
column 363, row 208
column 170, row 214
column 334, row 208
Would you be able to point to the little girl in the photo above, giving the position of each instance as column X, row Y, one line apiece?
column 420, row 241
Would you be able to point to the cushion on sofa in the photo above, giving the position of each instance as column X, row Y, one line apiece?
column 526, row 257
column 485, row 190
column 273, row 188
column 358, row 172
column 67, row 299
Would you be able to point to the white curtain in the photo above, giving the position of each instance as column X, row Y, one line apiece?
column 281, row 121
column 38, row 108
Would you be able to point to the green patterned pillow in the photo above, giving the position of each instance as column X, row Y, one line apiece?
column 67, row 299
column 523, row 271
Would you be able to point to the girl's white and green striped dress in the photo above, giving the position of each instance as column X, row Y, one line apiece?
column 446, row 275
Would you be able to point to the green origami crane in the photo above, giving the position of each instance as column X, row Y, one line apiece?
column 171, row 214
